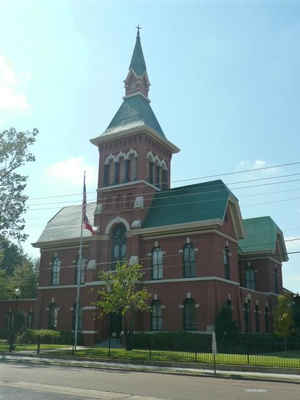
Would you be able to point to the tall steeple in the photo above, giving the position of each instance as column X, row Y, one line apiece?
column 137, row 78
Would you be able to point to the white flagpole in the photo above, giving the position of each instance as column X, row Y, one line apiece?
column 79, row 266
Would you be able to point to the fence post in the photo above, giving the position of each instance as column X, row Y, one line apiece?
column 150, row 350
column 248, row 357
column 109, row 344
column 215, row 364
column 214, row 351
column 38, row 345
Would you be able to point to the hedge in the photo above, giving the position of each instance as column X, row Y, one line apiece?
column 47, row 336
column 180, row 341
column 202, row 343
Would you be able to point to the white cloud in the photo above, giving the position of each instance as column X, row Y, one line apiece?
column 292, row 244
column 255, row 169
column 10, row 97
column 71, row 171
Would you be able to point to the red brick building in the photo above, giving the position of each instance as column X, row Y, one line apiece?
column 197, row 252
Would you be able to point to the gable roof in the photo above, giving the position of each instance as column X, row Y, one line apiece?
column 66, row 224
column 192, row 203
column 261, row 235
column 134, row 111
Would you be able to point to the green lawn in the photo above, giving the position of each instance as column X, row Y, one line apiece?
column 278, row 360
column 289, row 359
column 32, row 347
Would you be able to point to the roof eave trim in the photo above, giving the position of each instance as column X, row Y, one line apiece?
column 132, row 130
column 267, row 253
column 185, row 225
column 237, row 211
column 54, row 243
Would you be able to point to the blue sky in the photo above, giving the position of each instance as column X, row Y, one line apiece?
column 225, row 88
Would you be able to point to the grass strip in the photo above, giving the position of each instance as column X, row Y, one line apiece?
column 269, row 361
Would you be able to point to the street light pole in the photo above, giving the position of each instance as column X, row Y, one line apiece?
column 13, row 322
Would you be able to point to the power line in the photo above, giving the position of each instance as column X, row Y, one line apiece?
column 203, row 192
column 217, row 185
column 253, row 170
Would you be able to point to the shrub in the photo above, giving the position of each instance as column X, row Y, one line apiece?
column 179, row 341
column 47, row 336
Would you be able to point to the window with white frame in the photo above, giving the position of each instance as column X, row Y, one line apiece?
column 156, row 316
column 52, row 316
column 55, row 271
column 189, row 270
column 189, row 315
column 119, row 247
column 250, row 277
column 157, row 263
column 227, row 263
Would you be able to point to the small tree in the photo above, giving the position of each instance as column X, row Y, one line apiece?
column 122, row 294
column 283, row 317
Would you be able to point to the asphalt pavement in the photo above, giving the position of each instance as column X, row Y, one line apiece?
column 42, row 382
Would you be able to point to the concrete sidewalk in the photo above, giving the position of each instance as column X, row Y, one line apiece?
column 253, row 375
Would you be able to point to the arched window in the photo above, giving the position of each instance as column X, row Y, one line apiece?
column 156, row 316
column 133, row 168
column 189, row 315
column 111, row 172
column 117, row 173
column 151, row 171
column 52, row 316
column 250, row 277
column 165, row 181
column 157, row 263
column 55, row 271
column 188, row 261
column 226, row 263
column 122, row 169
column 157, row 175
column 106, row 175
column 118, row 244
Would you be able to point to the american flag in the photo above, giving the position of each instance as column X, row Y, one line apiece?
column 85, row 220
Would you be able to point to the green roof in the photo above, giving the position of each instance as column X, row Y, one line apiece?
column 134, row 111
column 138, row 64
column 193, row 203
column 260, row 235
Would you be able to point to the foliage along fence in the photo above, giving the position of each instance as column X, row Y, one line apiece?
column 202, row 343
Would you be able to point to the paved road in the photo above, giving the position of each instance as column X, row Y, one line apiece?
column 30, row 382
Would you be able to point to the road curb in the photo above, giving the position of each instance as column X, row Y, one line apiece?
column 239, row 375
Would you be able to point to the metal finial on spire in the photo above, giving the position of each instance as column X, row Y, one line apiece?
column 138, row 30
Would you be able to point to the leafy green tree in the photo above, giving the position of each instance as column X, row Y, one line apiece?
column 24, row 278
column 12, row 256
column 122, row 294
column 283, row 317
column 14, row 153
column 4, row 286
column 296, row 314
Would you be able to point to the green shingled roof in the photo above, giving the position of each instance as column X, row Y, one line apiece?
column 134, row 110
column 200, row 202
column 138, row 64
column 260, row 235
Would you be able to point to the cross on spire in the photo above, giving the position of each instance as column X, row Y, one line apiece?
column 138, row 30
